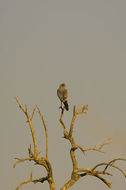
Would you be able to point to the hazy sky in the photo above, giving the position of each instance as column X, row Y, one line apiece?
column 44, row 43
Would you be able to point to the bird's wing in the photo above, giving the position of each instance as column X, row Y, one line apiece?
column 60, row 94
column 65, row 95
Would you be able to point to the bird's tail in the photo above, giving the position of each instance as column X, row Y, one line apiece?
column 66, row 105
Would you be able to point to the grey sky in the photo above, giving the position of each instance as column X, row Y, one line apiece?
column 44, row 43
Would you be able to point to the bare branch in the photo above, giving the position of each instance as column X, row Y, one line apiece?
column 82, row 110
column 81, row 172
column 77, row 173
column 81, row 148
column 31, row 155
column 75, row 113
column 119, row 169
column 24, row 182
column 73, row 158
column 41, row 180
column 112, row 162
column 33, row 112
column 20, row 106
column 89, row 172
column 69, row 137
column 70, row 182
column 63, row 125
column 46, row 133
column 21, row 160
column 104, row 180
column 31, row 126
column 33, row 137
column 34, row 156
column 72, row 122
column 106, row 142
column 26, row 109
column 75, row 177
column 95, row 149
column 78, row 170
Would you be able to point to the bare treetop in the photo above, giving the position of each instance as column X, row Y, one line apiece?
column 76, row 173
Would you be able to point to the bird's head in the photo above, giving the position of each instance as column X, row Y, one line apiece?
column 63, row 85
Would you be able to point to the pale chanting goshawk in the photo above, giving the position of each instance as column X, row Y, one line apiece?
column 62, row 93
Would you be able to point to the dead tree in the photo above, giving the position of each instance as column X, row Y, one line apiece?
column 77, row 173
column 34, row 156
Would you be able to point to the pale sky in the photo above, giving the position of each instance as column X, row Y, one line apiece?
column 44, row 43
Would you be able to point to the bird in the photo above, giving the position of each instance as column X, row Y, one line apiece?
column 62, row 94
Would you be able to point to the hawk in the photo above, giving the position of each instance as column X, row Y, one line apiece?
column 62, row 94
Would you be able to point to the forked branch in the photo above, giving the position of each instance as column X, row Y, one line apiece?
column 46, row 133
column 41, row 180
column 34, row 156
column 30, row 124
column 78, row 173
column 99, row 149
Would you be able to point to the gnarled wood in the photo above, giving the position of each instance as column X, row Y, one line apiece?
column 76, row 173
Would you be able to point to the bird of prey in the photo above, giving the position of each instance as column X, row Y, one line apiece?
column 62, row 93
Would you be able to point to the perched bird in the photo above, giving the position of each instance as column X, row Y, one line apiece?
column 62, row 93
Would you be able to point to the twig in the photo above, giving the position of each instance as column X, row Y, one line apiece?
column 95, row 149
column 46, row 133
column 104, row 180
column 22, row 160
column 41, row 180
column 33, row 112
column 34, row 156
column 113, row 161
column 110, row 164
column 77, row 173
column 63, row 126
column 31, row 126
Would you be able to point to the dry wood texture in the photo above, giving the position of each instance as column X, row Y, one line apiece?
column 76, row 173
